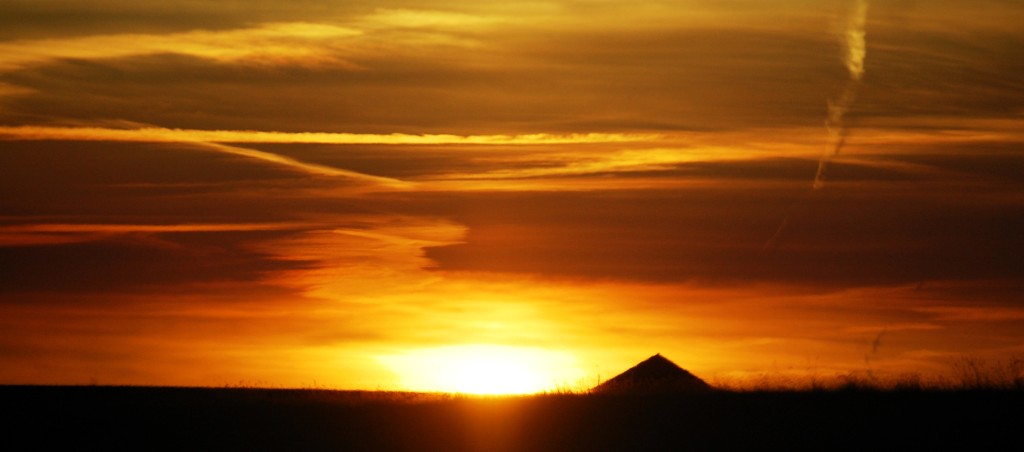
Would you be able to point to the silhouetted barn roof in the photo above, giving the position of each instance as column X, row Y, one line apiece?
column 654, row 375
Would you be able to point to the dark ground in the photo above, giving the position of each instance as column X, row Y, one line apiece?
column 195, row 419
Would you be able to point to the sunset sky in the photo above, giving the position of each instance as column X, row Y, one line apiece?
column 368, row 194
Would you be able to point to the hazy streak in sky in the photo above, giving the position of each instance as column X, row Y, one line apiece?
column 854, row 51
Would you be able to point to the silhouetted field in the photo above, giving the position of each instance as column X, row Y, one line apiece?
column 142, row 418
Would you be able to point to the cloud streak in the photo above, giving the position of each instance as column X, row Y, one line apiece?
column 158, row 228
column 159, row 134
column 66, row 233
column 295, row 41
column 587, row 162
column 214, row 139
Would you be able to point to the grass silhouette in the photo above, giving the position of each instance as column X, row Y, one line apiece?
column 975, row 408
column 852, row 417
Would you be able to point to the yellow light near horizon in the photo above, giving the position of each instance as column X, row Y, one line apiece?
column 483, row 369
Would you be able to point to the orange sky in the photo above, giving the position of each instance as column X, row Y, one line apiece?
column 318, row 193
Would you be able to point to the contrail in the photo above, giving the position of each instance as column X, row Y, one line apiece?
column 854, row 51
column 310, row 168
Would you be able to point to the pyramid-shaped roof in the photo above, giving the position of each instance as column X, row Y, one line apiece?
column 654, row 375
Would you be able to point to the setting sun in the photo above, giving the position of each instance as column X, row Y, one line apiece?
column 463, row 225
column 483, row 369
column 503, row 198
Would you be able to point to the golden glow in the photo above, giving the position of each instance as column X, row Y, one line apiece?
column 483, row 369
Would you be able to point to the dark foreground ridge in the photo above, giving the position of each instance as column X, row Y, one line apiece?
column 655, row 375
column 198, row 419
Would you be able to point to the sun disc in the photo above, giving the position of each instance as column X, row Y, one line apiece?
column 482, row 369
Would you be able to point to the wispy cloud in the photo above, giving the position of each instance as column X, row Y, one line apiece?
column 126, row 228
column 414, row 18
column 9, row 90
column 296, row 42
column 975, row 313
column 583, row 162
column 55, row 234
column 32, row 234
column 304, row 43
